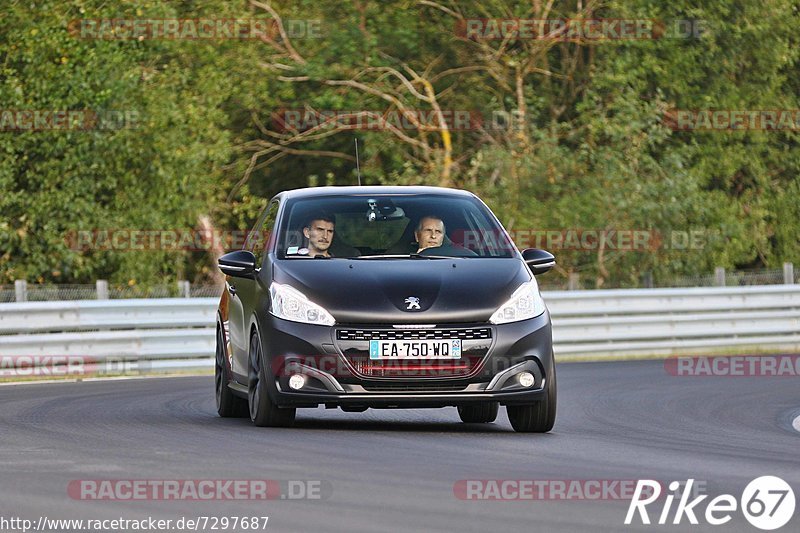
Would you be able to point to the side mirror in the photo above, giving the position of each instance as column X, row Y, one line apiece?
column 239, row 264
column 539, row 261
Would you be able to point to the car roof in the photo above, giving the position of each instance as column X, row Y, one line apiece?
column 312, row 192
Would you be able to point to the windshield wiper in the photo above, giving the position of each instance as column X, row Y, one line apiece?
column 400, row 256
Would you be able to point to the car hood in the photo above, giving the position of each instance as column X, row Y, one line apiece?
column 383, row 290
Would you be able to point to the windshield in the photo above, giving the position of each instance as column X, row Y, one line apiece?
column 391, row 226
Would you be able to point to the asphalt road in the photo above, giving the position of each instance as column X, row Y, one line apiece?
column 395, row 470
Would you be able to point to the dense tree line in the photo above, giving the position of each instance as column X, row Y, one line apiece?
column 560, row 133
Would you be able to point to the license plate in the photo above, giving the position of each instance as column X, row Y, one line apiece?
column 421, row 349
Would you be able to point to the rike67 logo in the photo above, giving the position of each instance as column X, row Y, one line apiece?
column 767, row 502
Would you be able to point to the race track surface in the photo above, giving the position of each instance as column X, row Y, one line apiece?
column 395, row 470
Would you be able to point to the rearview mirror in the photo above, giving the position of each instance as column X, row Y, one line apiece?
column 383, row 210
column 239, row 264
column 539, row 261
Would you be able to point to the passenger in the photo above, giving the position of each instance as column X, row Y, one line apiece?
column 319, row 233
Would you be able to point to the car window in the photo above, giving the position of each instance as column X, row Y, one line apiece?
column 259, row 237
column 483, row 237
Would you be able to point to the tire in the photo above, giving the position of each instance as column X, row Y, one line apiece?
column 228, row 404
column 539, row 417
column 482, row 413
column 263, row 412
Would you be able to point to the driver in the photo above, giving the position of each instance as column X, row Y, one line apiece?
column 319, row 233
column 430, row 232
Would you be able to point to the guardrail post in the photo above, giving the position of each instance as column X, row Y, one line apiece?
column 574, row 281
column 647, row 280
column 21, row 290
column 102, row 289
column 184, row 289
column 719, row 276
column 788, row 274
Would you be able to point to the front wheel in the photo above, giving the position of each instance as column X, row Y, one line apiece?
column 263, row 412
column 539, row 417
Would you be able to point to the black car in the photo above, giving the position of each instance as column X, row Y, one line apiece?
column 384, row 297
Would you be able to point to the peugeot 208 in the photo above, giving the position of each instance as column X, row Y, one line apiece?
column 384, row 297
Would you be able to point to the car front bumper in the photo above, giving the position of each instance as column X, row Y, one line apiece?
column 333, row 379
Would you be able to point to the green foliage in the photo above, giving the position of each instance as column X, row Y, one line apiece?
column 592, row 150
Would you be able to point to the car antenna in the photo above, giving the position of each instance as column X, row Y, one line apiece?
column 358, row 166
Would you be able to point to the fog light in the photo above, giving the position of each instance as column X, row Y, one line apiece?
column 297, row 381
column 526, row 379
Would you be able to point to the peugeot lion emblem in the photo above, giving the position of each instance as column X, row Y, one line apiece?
column 412, row 303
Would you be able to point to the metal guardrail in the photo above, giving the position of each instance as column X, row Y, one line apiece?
column 77, row 315
column 597, row 323
column 675, row 321
column 169, row 328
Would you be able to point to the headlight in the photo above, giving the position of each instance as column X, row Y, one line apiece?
column 525, row 303
column 290, row 304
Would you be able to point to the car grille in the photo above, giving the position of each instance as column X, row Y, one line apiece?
column 354, row 344
column 418, row 387
column 406, row 368
column 412, row 334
